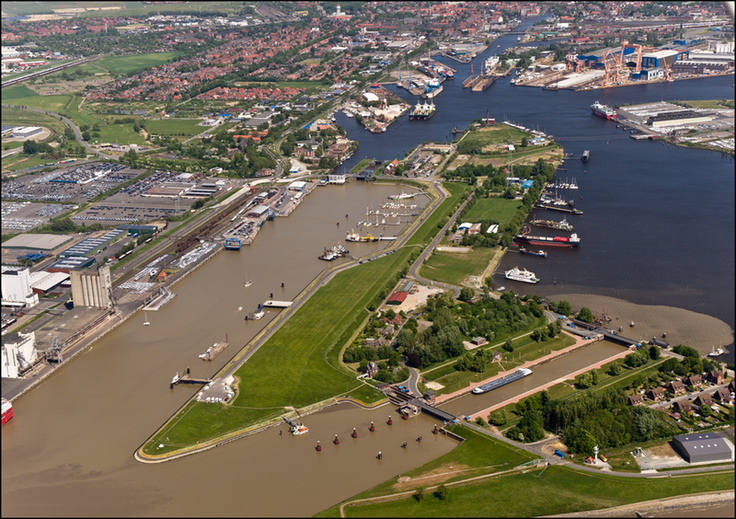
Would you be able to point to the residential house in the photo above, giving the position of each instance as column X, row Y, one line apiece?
column 676, row 387
column 694, row 381
column 656, row 394
column 715, row 377
column 635, row 400
column 703, row 399
column 371, row 369
column 683, row 406
column 723, row 395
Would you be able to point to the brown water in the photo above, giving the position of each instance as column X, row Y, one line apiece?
column 542, row 374
column 69, row 449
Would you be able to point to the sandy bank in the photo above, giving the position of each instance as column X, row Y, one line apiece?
column 699, row 331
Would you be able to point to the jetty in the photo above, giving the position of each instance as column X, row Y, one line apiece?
column 214, row 350
column 186, row 378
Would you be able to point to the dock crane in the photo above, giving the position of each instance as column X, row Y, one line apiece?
column 626, row 45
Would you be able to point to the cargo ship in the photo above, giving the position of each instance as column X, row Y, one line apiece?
column 7, row 411
column 551, row 224
column 515, row 274
column 549, row 241
column 603, row 111
column 422, row 111
column 507, row 379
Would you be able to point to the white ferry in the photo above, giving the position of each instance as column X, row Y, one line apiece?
column 515, row 274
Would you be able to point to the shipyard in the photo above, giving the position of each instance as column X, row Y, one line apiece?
column 322, row 236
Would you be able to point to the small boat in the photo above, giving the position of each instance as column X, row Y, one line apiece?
column 248, row 282
column 146, row 323
column 258, row 315
column 631, row 324
column 716, row 353
column 540, row 252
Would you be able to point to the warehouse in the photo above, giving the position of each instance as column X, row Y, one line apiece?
column 44, row 282
column 678, row 118
column 68, row 264
column 26, row 132
column 38, row 242
column 705, row 447
column 89, row 245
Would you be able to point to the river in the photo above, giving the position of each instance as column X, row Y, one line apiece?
column 650, row 210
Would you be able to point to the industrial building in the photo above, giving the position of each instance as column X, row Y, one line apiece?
column 92, row 288
column 648, row 74
column 659, row 59
column 89, row 245
column 678, row 118
column 705, row 447
column 26, row 132
column 18, row 354
column 46, row 243
column 16, row 287
column 68, row 264
column 44, row 282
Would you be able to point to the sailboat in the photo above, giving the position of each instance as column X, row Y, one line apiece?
column 248, row 282
column 146, row 323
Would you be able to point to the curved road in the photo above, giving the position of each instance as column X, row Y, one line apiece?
column 70, row 124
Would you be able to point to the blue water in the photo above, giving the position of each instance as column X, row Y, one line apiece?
column 658, row 226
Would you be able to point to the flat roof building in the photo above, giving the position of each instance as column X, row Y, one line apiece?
column 42, row 242
column 26, row 132
column 699, row 448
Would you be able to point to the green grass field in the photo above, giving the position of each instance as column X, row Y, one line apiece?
column 500, row 209
column 495, row 135
column 433, row 223
column 135, row 62
column 19, row 117
column 554, row 490
column 175, row 127
column 118, row 134
column 454, row 267
column 50, row 103
column 17, row 91
column 21, row 161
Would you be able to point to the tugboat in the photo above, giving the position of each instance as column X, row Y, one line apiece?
column 296, row 428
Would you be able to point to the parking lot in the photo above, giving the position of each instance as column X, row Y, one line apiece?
column 74, row 184
column 22, row 216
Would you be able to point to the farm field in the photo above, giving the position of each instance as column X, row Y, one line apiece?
column 135, row 62
column 50, row 103
column 119, row 134
column 16, row 92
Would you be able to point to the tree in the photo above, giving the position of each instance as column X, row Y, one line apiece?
column 616, row 368
column 705, row 411
column 654, row 352
column 585, row 315
column 499, row 417
column 86, row 136
column 466, row 294
column 30, row 147
column 564, row 308
column 524, row 142
column 508, row 346
column 442, row 492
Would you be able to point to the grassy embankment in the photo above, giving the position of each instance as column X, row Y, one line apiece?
column 530, row 493
column 299, row 366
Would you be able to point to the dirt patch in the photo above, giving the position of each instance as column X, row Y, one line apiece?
column 434, row 477
column 550, row 448
column 662, row 451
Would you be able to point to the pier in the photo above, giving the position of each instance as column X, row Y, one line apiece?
column 214, row 351
column 277, row 304
column 185, row 378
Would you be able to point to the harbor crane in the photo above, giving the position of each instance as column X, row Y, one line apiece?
column 626, row 45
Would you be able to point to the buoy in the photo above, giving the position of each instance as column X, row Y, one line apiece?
column 435, row 431
column 282, row 285
column 390, row 421
column 403, row 445
column 419, row 438
column 404, row 417
column 371, row 428
column 318, row 447
column 355, row 433
column 336, row 441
